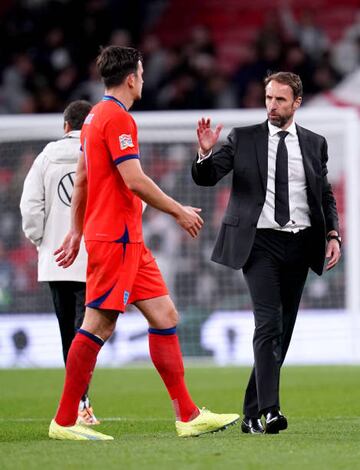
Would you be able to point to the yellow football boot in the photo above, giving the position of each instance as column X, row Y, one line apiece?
column 204, row 423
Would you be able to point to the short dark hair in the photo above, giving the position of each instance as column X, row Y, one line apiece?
column 115, row 63
column 76, row 112
column 287, row 78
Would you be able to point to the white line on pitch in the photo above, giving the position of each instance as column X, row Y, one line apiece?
column 114, row 418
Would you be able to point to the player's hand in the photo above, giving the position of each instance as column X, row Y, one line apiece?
column 333, row 254
column 68, row 251
column 207, row 137
column 190, row 220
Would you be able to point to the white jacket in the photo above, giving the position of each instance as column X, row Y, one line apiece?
column 45, row 207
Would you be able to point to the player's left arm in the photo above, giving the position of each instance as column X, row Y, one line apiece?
column 69, row 249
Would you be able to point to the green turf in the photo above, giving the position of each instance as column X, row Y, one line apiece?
column 321, row 403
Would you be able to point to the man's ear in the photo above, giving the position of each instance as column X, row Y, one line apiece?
column 67, row 127
column 131, row 80
column 297, row 102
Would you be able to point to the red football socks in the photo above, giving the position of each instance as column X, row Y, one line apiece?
column 166, row 355
column 80, row 364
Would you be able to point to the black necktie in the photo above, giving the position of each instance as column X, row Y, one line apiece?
column 282, row 211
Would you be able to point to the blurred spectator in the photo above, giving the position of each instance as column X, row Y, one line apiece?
column 18, row 83
column 120, row 37
column 54, row 56
column 154, row 57
column 270, row 33
column 263, row 56
column 346, row 54
column 312, row 39
column 296, row 61
column 324, row 77
column 254, row 95
column 199, row 42
column 222, row 93
column 91, row 89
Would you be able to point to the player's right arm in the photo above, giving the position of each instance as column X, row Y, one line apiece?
column 69, row 249
column 144, row 187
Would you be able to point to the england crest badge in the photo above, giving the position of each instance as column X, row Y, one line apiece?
column 126, row 296
column 125, row 141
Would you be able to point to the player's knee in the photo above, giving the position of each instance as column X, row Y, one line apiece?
column 100, row 323
column 107, row 331
column 174, row 317
column 169, row 319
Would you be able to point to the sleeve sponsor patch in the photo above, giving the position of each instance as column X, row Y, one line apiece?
column 125, row 141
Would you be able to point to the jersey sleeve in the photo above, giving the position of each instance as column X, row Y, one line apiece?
column 121, row 139
column 82, row 139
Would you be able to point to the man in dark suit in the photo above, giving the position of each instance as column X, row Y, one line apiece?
column 280, row 221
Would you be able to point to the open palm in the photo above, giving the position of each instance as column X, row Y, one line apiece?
column 207, row 137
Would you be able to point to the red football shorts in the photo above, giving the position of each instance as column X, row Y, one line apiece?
column 121, row 273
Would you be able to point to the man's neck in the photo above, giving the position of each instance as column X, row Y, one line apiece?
column 288, row 124
column 120, row 95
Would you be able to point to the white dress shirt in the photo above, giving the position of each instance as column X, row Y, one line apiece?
column 299, row 207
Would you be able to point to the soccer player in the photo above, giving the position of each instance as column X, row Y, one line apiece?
column 45, row 210
column 107, row 207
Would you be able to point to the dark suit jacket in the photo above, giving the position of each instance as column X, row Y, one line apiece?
column 246, row 153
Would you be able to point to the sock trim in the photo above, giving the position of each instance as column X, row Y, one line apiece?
column 164, row 332
column 94, row 338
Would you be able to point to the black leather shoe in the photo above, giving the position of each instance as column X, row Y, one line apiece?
column 252, row 425
column 275, row 422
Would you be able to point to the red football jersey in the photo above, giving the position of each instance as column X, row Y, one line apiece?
column 108, row 138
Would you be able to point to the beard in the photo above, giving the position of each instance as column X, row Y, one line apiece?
column 279, row 121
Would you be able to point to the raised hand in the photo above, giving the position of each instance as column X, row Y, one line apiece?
column 188, row 218
column 68, row 251
column 206, row 136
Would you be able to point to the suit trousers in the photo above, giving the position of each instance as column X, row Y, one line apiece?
column 69, row 303
column 275, row 273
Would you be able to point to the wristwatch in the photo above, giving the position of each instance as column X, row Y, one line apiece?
column 334, row 237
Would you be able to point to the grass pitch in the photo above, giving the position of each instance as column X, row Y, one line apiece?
column 321, row 403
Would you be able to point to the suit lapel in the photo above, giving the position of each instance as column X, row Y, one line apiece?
column 261, row 144
column 308, row 157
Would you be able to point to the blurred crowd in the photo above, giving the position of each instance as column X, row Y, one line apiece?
column 51, row 46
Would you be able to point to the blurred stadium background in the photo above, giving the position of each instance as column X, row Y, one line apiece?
column 204, row 55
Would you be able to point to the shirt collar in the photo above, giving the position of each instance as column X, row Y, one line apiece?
column 274, row 129
column 72, row 135
column 112, row 98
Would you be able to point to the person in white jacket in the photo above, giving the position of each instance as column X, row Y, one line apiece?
column 45, row 209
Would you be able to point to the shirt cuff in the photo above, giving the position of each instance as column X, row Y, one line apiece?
column 202, row 157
